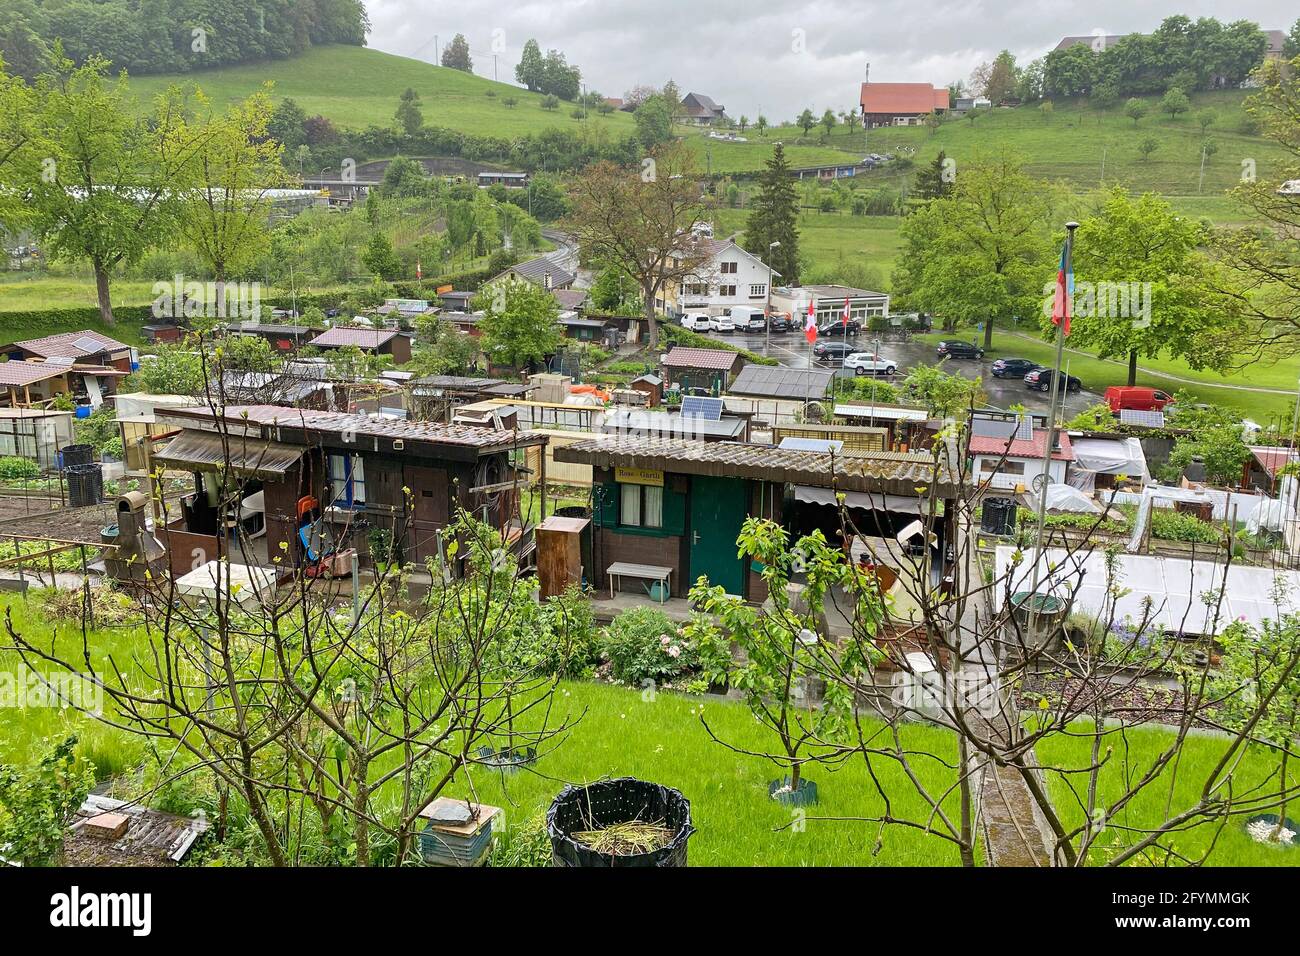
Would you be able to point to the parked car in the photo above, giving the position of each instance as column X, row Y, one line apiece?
column 1120, row 397
column 780, row 323
column 1041, row 379
column 721, row 323
column 832, row 351
column 695, row 321
column 865, row 363
column 967, row 350
column 748, row 319
column 1013, row 368
column 839, row 327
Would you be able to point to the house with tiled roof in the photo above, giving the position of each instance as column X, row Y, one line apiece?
column 900, row 104
column 731, row 278
column 1010, row 451
column 375, row 341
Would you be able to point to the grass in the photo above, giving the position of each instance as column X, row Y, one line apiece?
column 1096, row 374
column 1233, row 847
column 661, row 737
column 357, row 87
column 832, row 239
column 1070, row 144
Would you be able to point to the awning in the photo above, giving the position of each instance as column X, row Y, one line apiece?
column 204, row 451
column 862, row 499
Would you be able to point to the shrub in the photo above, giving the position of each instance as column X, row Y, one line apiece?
column 1175, row 526
column 12, row 467
column 575, row 646
column 644, row 644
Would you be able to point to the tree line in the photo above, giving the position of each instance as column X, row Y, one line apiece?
column 172, row 36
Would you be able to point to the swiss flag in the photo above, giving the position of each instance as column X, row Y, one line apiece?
column 419, row 273
column 846, row 312
column 810, row 325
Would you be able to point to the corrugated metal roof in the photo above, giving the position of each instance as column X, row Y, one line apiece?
column 342, row 336
column 766, row 381
column 72, row 344
column 893, row 473
column 201, row 451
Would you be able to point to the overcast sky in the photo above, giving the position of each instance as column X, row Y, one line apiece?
column 775, row 56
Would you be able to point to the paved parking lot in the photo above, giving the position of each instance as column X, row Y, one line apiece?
column 791, row 349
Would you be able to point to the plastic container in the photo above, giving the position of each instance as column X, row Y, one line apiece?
column 607, row 803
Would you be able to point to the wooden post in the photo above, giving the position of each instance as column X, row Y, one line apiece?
column 542, row 482
column 18, row 554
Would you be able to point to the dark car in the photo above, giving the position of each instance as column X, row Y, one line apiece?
column 780, row 323
column 840, row 328
column 967, row 350
column 1013, row 367
column 1041, row 379
column 832, row 351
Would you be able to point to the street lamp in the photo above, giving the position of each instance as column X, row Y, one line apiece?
column 767, row 312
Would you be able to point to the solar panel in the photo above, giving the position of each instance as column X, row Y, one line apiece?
column 87, row 344
column 1146, row 419
column 1025, row 429
column 698, row 406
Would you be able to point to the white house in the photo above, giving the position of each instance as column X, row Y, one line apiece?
column 1008, row 452
column 732, row 277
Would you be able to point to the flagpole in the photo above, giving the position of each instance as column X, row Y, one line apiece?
column 1052, row 434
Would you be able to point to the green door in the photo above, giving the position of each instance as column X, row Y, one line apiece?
column 718, row 509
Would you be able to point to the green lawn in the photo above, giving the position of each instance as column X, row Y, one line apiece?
column 1233, row 847
column 1072, row 142
column 831, row 239
column 1097, row 374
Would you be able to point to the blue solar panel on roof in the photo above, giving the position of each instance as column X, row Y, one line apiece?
column 698, row 406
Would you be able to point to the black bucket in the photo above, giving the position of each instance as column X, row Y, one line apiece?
column 607, row 803
column 85, row 485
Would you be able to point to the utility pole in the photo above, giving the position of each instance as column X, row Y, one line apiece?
column 767, row 310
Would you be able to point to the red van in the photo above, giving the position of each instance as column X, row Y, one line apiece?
column 1119, row 397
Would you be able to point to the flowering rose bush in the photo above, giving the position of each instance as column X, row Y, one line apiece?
column 645, row 644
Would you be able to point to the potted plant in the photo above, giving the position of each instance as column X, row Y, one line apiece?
column 621, row 822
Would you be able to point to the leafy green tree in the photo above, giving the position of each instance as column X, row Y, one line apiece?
column 1003, row 77
column 520, row 325
column 442, row 349
column 1135, row 109
column 774, row 218
column 1262, row 665
column 226, row 190
column 17, row 139
column 550, row 102
column 944, row 394
column 1205, row 119
column 1174, row 102
column 456, row 54
column 559, row 78
column 380, row 258
column 38, row 802
column 1045, row 109
column 1146, row 146
column 614, row 292
column 983, row 253
column 287, row 125
column 806, row 121
column 103, row 190
column 409, row 116
column 173, row 370
column 531, row 70
column 828, row 121
column 761, row 124
column 1221, row 449
column 654, row 121
column 404, row 178
column 1149, row 289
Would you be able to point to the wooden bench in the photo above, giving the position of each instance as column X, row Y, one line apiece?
column 650, row 572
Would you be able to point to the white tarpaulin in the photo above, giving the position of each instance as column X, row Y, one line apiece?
column 1067, row 498
column 1107, row 456
column 1269, row 516
column 1176, row 587
column 862, row 499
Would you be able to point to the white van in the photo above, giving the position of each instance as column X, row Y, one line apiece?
column 695, row 321
column 746, row 318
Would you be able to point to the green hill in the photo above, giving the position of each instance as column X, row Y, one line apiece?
column 1071, row 141
column 357, row 87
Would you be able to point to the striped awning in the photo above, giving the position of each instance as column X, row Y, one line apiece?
column 204, row 451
